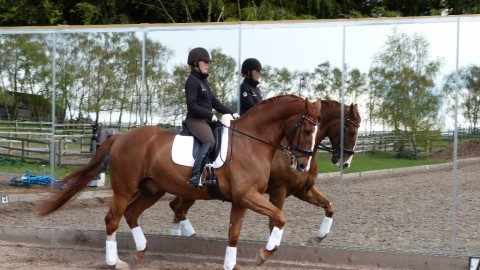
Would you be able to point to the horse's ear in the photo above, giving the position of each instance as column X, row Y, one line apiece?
column 318, row 104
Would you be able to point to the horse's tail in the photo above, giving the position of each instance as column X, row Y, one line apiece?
column 78, row 180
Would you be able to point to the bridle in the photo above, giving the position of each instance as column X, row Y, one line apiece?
column 289, row 149
column 336, row 150
column 295, row 129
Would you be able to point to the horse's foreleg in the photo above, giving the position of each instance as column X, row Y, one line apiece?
column 112, row 221
column 277, row 197
column 313, row 196
column 181, row 225
column 144, row 200
column 258, row 203
column 237, row 213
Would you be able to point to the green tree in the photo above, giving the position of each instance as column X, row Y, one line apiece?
column 222, row 76
column 327, row 83
column 25, row 67
column 94, row 12
column 28, row 12
column 469, row 92
column 402, row 77
column 172, row 98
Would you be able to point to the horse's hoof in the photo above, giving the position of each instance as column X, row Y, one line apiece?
column 236, row 267
column 139, row 255
column 264, row 255
column 316, row 239
column 193, row 235
column 119, row 265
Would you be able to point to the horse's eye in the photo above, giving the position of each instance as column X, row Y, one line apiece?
column 307, row 132
column 352, row 133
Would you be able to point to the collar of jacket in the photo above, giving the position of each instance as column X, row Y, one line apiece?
column 199, row 74
column 250, row 81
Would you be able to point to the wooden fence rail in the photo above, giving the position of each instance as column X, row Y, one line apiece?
column 69, row 149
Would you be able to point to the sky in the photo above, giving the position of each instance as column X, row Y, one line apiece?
column 301, row 46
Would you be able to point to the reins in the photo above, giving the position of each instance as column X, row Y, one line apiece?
column 286, row 149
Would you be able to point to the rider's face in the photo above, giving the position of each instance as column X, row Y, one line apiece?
column 203, row 66
column 256, row 74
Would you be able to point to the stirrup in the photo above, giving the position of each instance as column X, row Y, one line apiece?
column 193, row 182
column 211, row 177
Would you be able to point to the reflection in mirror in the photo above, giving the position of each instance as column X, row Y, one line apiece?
column 412, row 80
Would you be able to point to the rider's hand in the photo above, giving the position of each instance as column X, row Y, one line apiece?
column 214, row 118
column 235, row 116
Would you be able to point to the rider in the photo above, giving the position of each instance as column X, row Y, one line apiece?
column 250, row 94
column 200, row 102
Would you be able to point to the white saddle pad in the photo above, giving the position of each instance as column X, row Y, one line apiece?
column 183, row 146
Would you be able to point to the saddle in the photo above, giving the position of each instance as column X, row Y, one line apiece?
column 217, row 129
column 211, row 180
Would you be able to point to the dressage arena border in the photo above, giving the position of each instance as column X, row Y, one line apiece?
column 216, row 248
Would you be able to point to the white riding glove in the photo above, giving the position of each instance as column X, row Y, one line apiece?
column 214, row 118
column 235, row 116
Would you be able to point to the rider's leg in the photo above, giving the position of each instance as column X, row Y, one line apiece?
column 203, row 132
column 199, row 164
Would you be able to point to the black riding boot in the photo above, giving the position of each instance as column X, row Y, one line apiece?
column 199, row 164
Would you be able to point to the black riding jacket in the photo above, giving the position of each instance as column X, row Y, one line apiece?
column 250, row 94
column 200, row 98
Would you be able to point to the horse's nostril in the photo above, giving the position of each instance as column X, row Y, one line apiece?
column 301, row 167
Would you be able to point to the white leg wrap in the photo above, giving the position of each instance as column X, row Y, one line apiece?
column 230, row 258
column 275, row 238
column 187, row 228
column 325, row 227
column 101, row 181
column 175, row 231
column 139, row 238
column 111, row 252
column 112, row 237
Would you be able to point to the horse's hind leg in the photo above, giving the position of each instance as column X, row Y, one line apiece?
column 313, row 196
column 181, row 225
column 112, row 221
column 144, row 200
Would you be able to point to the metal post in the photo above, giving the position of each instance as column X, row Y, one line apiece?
column 54, row 83
column 142, row 87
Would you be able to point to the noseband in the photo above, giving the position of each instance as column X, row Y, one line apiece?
column 295, row 129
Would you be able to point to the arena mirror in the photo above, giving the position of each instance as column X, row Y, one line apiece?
column 427, row 209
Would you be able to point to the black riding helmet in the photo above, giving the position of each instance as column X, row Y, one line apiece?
column 198, row 54
column 250, row 64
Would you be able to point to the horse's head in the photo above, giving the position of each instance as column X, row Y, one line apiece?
column 301, row 135
column 350, row 127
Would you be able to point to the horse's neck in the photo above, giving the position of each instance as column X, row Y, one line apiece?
column 330, row 116
column 268, row 127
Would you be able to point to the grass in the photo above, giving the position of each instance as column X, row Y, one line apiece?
column 371, row 161
column 17, row 166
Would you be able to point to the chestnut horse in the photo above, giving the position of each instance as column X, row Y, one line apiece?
column 141, row 161
column 283, row 180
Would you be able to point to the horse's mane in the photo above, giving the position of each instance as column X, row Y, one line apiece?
column 274, row 99
column 334, row 104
